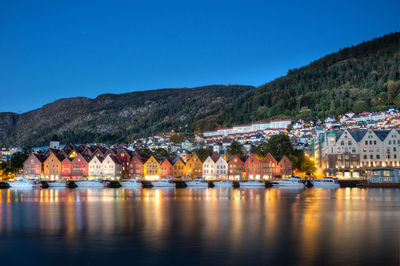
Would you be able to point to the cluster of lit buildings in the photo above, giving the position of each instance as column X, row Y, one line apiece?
column 355, row 153
column 252, row 128
column 83, row 161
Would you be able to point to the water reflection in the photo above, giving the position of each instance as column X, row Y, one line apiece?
column 230, row 226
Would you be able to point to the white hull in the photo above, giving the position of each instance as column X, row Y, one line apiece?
column 192, row 184
column 57, row 184
column 20, row 185
column 89, row 184
column 163, row 184
column 288, row 185
column 223, row 184
column 324, row 185
column 252, row 184
column 128, row 184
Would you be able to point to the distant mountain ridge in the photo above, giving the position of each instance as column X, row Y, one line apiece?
column 115, row 117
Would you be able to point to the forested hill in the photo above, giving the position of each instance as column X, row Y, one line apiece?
column 115, row 118
column 365, row 77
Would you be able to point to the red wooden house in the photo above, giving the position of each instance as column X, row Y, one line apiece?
column 253, row 167
column 66, row 167
column 33, row 166
column 166, row 169
column 80, row 166
column 268, row 167
column 284, row 167
column 235, row 168
column 136, row 167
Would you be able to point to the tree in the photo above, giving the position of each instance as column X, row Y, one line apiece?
column 178, row 138
column 203, row 153
column 279, row 145
column 161, row 152
column 235, row 149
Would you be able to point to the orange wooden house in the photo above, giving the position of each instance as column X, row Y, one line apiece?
column 194, row 167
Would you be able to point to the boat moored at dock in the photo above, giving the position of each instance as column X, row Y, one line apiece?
column 131, row 183
column 326, row 182
column 290, row 182
column 22, row 183
column 57, row 184
column 251, row 184
column 95, row 183
column 223, row 184
column 198, row 182
column 166, row 182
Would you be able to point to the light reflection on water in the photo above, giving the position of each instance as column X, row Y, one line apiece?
column 198, row 226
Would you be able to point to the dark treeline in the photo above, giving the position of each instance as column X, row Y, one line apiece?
column 361, row 78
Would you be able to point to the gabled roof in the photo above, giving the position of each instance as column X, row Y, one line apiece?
column 100, row 158
column 58, row 155
column 269, row 154
column 358, row 134
column 114, row 158
column 39, row 157
column 232, row 157
column 167, row 160
column 178, row 159
column 381, row 134
column 338, row 134
column 80, row 148
column 280, row 158
column 215, row 156
column 68, row 148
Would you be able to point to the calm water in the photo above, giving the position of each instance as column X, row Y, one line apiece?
column 199, row 226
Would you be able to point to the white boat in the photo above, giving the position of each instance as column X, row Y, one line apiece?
column 290, row 182
column 326, row 182
column 198, row 182
column 131, row 183
column 166, row 182
column 89, row 183
column 252, row 184
column 22, row 183
column 223, row 183
column 57, row 184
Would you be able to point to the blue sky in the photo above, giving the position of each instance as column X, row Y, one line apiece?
column 57, row 49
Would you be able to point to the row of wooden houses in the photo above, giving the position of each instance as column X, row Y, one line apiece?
column 73, row 162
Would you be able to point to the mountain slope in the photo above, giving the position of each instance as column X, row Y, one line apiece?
column 361, row 78
column 115, row 117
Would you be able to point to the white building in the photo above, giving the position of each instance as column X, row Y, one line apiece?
column 221, row 168
column 112, row 167
column 95, row 167
column 209, row 168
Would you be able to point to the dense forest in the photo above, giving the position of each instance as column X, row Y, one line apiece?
column 360, row 78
